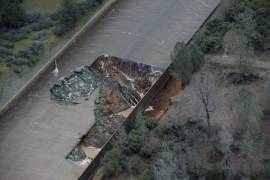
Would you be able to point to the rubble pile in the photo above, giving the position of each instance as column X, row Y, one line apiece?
column 122, row 84
column 82, row 82
column 77, row 154
column 108, row 105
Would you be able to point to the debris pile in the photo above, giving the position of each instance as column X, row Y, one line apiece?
column 121, row 84
column 81, row 83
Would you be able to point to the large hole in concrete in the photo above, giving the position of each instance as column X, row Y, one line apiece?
column 119, row 85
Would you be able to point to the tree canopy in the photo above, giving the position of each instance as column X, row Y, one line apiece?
column 12, row 14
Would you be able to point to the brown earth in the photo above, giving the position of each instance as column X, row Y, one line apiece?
column 163, row 100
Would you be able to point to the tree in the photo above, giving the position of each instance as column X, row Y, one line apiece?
column 206, row 100
column 68, row 16
column 196, row 56
column 262, row 17
column 12, row 14
column 171, row 164
column 181, row 63
column 238, row 43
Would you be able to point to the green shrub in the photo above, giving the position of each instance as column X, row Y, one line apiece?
column 215, row 174
column 147, row 151
column 151, row 123
column 162, row 130
column 6, row 44
column 211, row 43
column 68, row 17
column 139, row 122
column 196, row 56
column 136, row 166
column 2, row 66
column 216, row 27
column 135, row 140
column 114, row 165
column 181, row 67
column 12, row 14
column 149, row 175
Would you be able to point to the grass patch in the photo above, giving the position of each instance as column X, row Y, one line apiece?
column 23, row 43
column 41, row 5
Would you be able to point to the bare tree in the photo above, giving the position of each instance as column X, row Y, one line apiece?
column 238, row 43
column 206, row 100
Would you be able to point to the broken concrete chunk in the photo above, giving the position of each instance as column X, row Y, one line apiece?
column 77, row 154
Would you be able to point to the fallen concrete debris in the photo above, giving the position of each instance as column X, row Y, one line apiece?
column 77, row 154
column 81, row 83
column 122, row 84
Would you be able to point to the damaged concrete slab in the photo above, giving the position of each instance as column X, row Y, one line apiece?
column 121, row 85
column 37, row 134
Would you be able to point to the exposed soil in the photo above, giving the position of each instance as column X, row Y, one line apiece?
column 163, row 100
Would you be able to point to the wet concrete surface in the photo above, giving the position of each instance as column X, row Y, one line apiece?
column 37, row 134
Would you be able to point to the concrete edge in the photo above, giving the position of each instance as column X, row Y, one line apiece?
column 13, row 100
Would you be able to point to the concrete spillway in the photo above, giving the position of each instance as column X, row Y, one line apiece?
column 37, row 134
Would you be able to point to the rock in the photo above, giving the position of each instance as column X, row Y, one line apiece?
column 77, row 154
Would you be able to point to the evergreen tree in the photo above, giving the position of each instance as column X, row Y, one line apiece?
column 68, row 16
column 196, row 56
column 12, row 14
column 181, row 66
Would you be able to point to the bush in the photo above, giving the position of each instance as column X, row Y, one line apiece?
column 31, row 53
column 4, row 52
column 211, row 43
column 12, row 14
column 135, row 141
column 114, row 165
column 43, row 23
column 196, row 56
column 84, row 8
column 151, row 123
column 17, row 69
column 55, row 15
column 136, row 123
column 68, row 16
column 33, row 17
column 17, row 61
column 135, row 166
column 37, row 48
column 40, row 36
column 147, row 151
column 181, row 67
column 149, row 175
column 60, row 29
column 37, row 21
column 2, row 66
column 16, row 35
column 6, row 44
column 162, row 130
column 216, row 27
column 215, row 174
